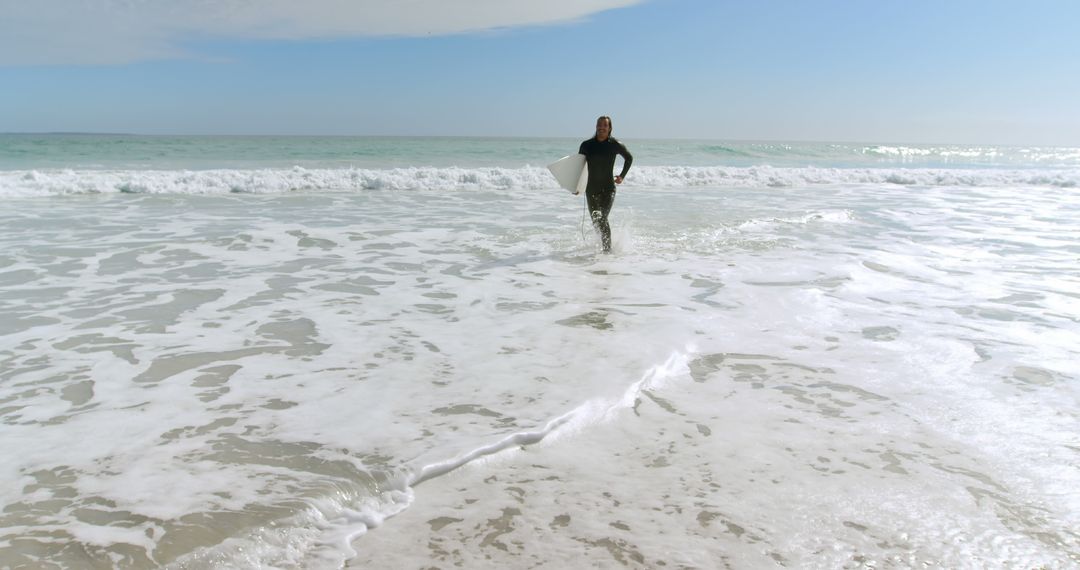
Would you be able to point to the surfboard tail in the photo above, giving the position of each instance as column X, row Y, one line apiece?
column 570, row 172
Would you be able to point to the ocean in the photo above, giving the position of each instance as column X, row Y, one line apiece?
column 335, row 352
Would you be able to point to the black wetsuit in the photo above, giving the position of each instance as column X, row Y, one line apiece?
column 600, row 189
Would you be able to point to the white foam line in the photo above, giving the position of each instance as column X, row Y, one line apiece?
column 517, row 439
column 319, row 536
column 588, row 413
column 323, row 533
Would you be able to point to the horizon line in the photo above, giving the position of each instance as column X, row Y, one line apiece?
column 538, row 137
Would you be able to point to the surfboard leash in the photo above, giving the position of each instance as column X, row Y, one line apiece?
column 584, row 214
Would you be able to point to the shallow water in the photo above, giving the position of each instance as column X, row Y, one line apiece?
column 808, row 375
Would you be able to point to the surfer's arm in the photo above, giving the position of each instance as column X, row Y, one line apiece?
column 627, row 158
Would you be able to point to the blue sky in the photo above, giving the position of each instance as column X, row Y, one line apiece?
column 938, row 71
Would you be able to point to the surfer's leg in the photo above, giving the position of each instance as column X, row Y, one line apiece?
column 602, row 226
column 599, row 205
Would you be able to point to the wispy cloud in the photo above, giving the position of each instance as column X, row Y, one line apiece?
column 48, row 32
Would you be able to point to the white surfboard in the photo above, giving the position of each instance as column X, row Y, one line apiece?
column 571, row 172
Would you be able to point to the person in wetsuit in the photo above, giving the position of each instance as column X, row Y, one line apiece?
column 600, row 154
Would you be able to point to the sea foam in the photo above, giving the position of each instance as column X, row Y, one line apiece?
column 829, row 374
column 298, row 179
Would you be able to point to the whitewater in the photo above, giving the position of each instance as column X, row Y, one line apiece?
column 305, row 352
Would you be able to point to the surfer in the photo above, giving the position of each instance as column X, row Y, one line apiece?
column 600, row 154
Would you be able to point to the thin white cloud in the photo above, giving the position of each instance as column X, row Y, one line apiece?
column 43, row 32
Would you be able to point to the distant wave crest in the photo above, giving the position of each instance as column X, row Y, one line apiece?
column 297, row 179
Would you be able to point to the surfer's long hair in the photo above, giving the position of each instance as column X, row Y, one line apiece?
column 611, row 126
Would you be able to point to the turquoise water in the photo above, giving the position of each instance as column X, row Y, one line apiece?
column 88, row 151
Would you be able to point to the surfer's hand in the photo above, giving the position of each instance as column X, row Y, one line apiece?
column 618, row 179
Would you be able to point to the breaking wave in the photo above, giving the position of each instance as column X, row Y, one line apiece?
column 28, row 183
